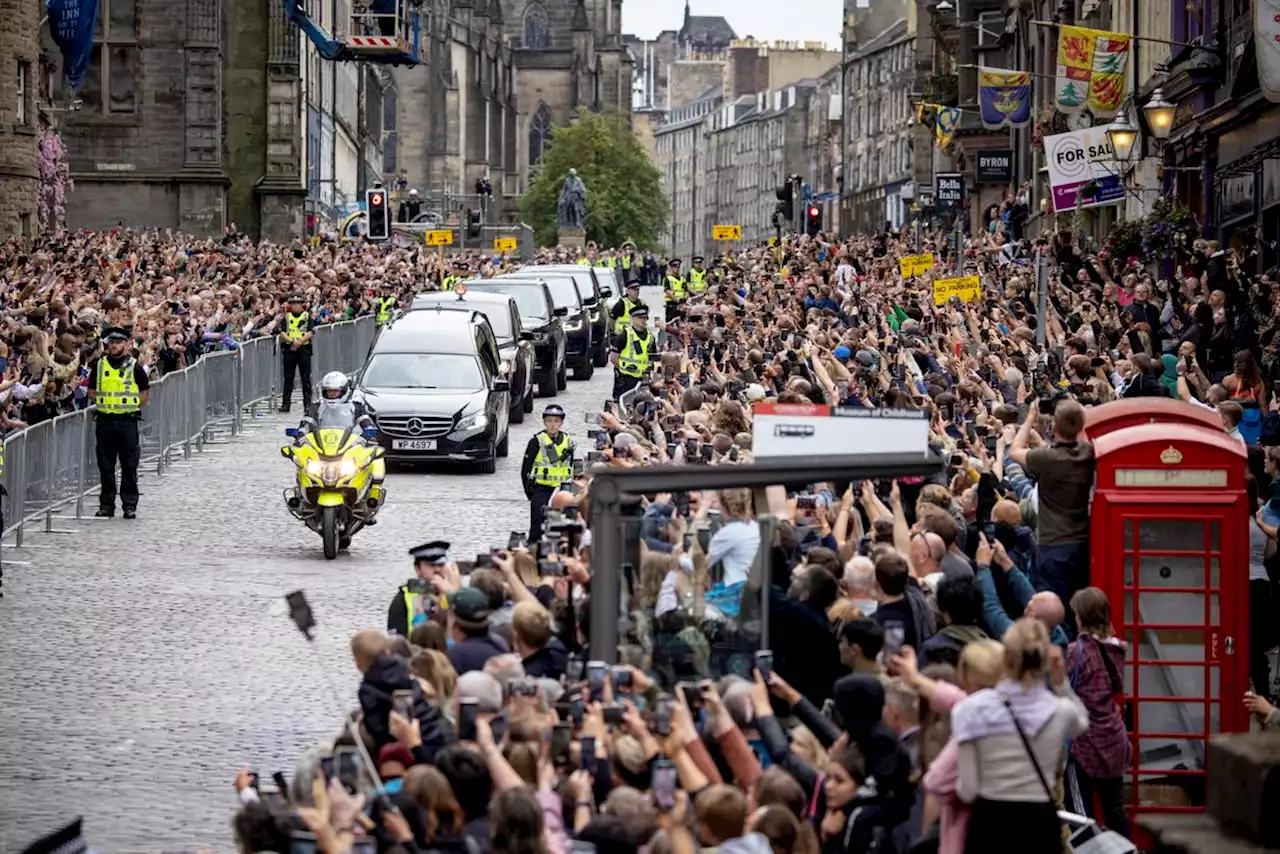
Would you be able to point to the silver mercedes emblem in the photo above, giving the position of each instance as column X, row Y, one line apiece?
column 416, row 426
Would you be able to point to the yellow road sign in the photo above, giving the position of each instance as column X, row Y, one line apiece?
column 505, row 244
column 915, row 265
column 726, row 232
column 443, row 237
column 966, row 288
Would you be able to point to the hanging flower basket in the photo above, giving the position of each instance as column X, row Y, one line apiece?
column 55, row 180
column 1168, row 226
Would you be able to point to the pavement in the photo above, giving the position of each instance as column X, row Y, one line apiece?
column 146, row 661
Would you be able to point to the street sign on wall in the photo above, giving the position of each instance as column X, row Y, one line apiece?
column 995, row 166
column 948, row 191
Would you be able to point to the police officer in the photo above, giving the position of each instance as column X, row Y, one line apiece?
column 453, row 278
column 697, row 276
column 633, row 351
column 674, row 286
column 295, row 344
column 386, row 304
column 621, row 311
column 548, row 462
column 413, row 604
column 118, row 386
column 630, row 265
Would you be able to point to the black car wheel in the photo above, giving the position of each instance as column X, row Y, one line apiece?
column 504, row 447
column 602, row 354
column 550, row 388
column 527, row 406
column 489, row 464
column 516, row 412
column 562, row 377
column 585, row 368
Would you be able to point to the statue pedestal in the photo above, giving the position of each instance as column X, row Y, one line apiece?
column 573, row 238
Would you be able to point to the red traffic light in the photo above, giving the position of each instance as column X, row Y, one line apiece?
column 376, row 199
column 813, row 213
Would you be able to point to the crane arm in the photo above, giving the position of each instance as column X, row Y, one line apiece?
column 327, row 46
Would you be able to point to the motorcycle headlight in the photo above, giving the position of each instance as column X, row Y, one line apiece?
column 347, row 467
column 505, row 367
column 479, row 421
column 315, row 468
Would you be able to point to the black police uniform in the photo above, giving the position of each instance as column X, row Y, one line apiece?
column 539, row 495
column 116, row 438
column 399, row 616
column 299, row 360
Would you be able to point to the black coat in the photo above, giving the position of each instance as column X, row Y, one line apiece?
column 387, row 675
column 550, row 662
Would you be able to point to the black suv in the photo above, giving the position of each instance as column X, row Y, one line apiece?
column 594, row 297
column 540, row 317
column 515, row 346
column 577, row 317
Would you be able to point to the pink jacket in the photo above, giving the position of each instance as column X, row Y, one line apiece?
column 944, row 772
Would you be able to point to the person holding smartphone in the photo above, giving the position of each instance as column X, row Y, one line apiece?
column 412, row 605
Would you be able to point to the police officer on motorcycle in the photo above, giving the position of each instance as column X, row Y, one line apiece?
column 414, row 601
column 295, row 344
column 334, row 388
column 547, row 463
column 633, row 351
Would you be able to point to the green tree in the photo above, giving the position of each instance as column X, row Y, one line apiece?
column 624, row 190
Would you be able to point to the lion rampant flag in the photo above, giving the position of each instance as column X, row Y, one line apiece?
column 1091, row 70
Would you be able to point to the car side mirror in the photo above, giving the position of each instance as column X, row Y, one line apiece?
column 561, row 312
column 607, row 293
column 526, row 336
column 501, row 385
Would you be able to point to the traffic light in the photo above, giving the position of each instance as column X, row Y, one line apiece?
column 473, row 224
column 814, row 223
column 379, row 217
column 785, row 205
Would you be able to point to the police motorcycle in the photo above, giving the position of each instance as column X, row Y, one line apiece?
column 340, row 469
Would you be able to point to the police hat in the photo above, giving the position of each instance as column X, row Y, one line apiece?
column 697, row 259
column 633, row 286
column 555, row 410
column 469, row 605
column 116, row 333
column 639, row 311
column 674, row 262
column 297, row 298
column 433, row 553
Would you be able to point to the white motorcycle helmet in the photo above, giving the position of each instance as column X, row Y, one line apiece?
column 334, row 385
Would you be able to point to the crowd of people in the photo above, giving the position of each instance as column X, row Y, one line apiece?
column 941, row 673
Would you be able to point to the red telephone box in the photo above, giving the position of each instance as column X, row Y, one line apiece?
column 1128, row 412
column 1170, row 546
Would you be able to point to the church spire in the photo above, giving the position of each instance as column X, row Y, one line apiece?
column 687, row 15
column 580, row 20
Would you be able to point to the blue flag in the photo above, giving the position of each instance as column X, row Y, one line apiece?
column 71, row 22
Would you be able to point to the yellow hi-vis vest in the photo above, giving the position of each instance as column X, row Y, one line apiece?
column 626, row 262
column 611, row 262
column 449, row 282
column 412, row 617
column 584, row 262
column 552, row 466
column 296, row 325
column 117, row 392
column 633, row 361
column 624, row 321
column 386, row 306
column 697, row 280
column 676, row 285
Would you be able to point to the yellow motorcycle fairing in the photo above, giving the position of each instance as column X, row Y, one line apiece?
column 330, row 499
column 335, row 459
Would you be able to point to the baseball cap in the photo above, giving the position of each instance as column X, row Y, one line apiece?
column 469, row 605
column 842, row 353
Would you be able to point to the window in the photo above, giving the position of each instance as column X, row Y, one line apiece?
column 537, row 26
column 110, row 85
column 539, row 133
column 24, row 69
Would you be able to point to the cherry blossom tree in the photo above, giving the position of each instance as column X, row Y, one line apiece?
column 55, row 180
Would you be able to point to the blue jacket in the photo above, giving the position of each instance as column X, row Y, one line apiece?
column 656, row 517
column 993, row 613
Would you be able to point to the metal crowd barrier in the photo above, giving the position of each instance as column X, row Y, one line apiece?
column 53, row 464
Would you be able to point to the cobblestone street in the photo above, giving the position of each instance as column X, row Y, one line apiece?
column 145, row 661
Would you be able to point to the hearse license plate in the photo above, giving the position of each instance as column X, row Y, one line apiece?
column 413, row 444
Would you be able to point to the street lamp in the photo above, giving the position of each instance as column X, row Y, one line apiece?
column 1159, row 113
column 1122, row 137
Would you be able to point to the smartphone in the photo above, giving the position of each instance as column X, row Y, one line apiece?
column 300, row 613
column 971, row 432
column 671, row 450
column 806, row 502
column 664, row 718
column 579, row 468
column 465, row 567
column 1046, row 405
column 468, row 711
column 1098, row 362
column 402, row 703
column 364, row 845
column 550, row 568
column 516, row 540
column 418, row 586
column 764, row 663
column 302, row 842
column 734, row 453
column 692, row 694
column 484, row 560
column 523, row 687
column 574, row 669
column 610, row 407
column 690, row 448
column 328, row 767
column 957, row 461
column 587, row 753
column 561, row 744
column 621, row 677
column 347, row 761
column 613, row 714
column 895, row 635
column 708, row 451
column 991, row 444
column 664, row 785
column 591, row 417
column 596, row 457
column 602, row 440
column 596, row 671
column 688, row 542
column 673, row 421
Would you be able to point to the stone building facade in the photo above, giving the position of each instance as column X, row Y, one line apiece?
column 680, row 155
column 823, row 135
column 23, row 82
